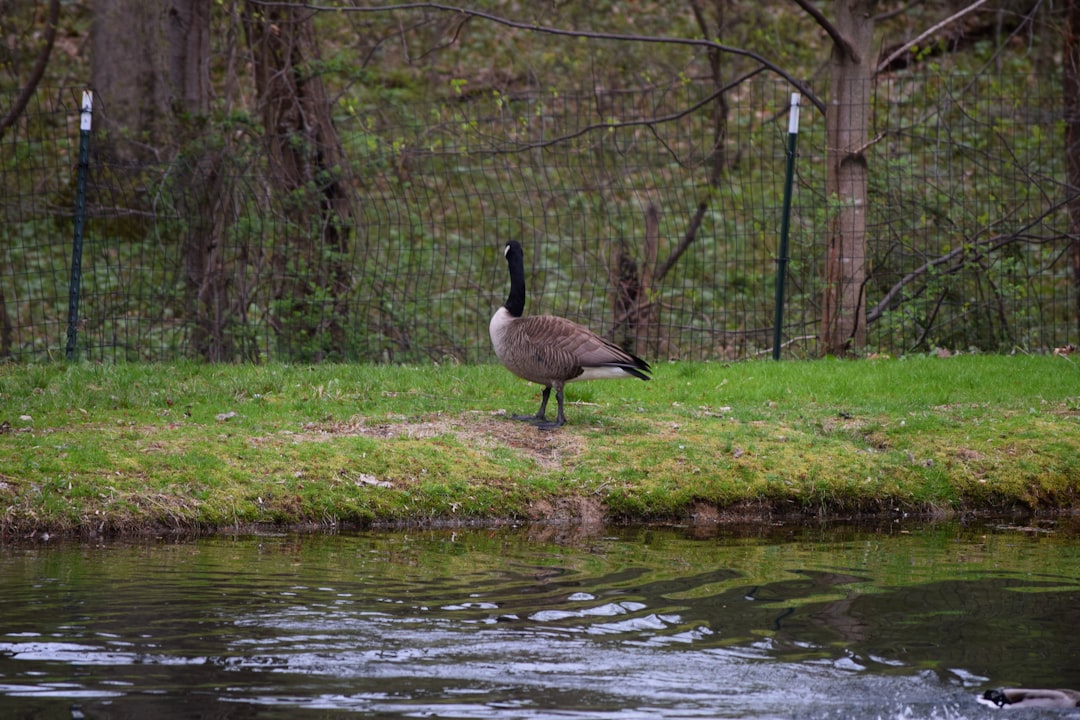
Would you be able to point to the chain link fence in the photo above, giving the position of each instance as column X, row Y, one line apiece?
column 650, row 215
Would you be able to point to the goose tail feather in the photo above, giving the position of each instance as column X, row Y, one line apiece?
column 639, row 369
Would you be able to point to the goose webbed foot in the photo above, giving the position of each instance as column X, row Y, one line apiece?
column 532, row 419
column 552, row 425
column 540, row 421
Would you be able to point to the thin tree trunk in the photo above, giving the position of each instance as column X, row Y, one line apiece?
column 847, row 127
column 9, row 119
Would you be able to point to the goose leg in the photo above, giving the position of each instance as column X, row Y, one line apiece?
column 560, row 419
column 541, row 414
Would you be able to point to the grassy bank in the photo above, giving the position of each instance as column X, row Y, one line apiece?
column 129, row 448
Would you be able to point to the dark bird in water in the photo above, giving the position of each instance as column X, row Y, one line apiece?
column 1031, row 698
column 552, row 351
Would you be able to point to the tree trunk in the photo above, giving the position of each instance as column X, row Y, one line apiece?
column 149, row 68
column 187, row 25
column 1071, row 56
column 847, row 127
column 307, row 169
column 213, row 268
column 634, row 310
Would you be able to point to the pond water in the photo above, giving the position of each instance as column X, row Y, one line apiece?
column 902, row 620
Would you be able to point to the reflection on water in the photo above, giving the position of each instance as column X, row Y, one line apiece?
column 900, row 621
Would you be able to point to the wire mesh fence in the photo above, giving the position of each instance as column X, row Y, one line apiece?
column 649, row 215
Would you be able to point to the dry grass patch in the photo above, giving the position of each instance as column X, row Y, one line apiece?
column 486, row 431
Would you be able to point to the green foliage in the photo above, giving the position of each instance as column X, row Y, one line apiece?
column 944, row 221
column 458, row 135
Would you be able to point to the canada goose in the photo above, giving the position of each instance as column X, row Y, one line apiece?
column 1028, row 698
column 552, row 351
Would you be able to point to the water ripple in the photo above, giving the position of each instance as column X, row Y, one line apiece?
column 494, row 626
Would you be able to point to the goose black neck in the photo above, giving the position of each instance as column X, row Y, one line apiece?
column 515, row 301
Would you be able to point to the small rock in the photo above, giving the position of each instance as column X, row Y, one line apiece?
column 365, row 479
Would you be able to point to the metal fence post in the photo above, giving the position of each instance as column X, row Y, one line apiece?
column 80, row 217
column 785, row 224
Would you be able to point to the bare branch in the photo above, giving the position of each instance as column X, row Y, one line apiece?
column 792, row 341
column 549, row 30
column 927, row 33
column 699, row 15
column 980, row 246
column 648, row 122
column 38, row 70
column 898, row 10
column 868, row 144
column 639, row 308
column 687, row 239
column 840, row 41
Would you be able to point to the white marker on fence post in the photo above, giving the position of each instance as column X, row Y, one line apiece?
column 87, row 111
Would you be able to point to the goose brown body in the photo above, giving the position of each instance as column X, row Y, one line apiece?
column 550, row 350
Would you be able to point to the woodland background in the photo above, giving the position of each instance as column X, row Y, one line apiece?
column 335, row 181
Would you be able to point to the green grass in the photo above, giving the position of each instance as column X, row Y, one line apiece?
column 131, row 448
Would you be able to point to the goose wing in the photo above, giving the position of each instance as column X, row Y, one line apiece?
column 565, row 344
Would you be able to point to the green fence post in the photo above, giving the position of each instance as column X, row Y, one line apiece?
column 785, row 224
column 80, row 218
